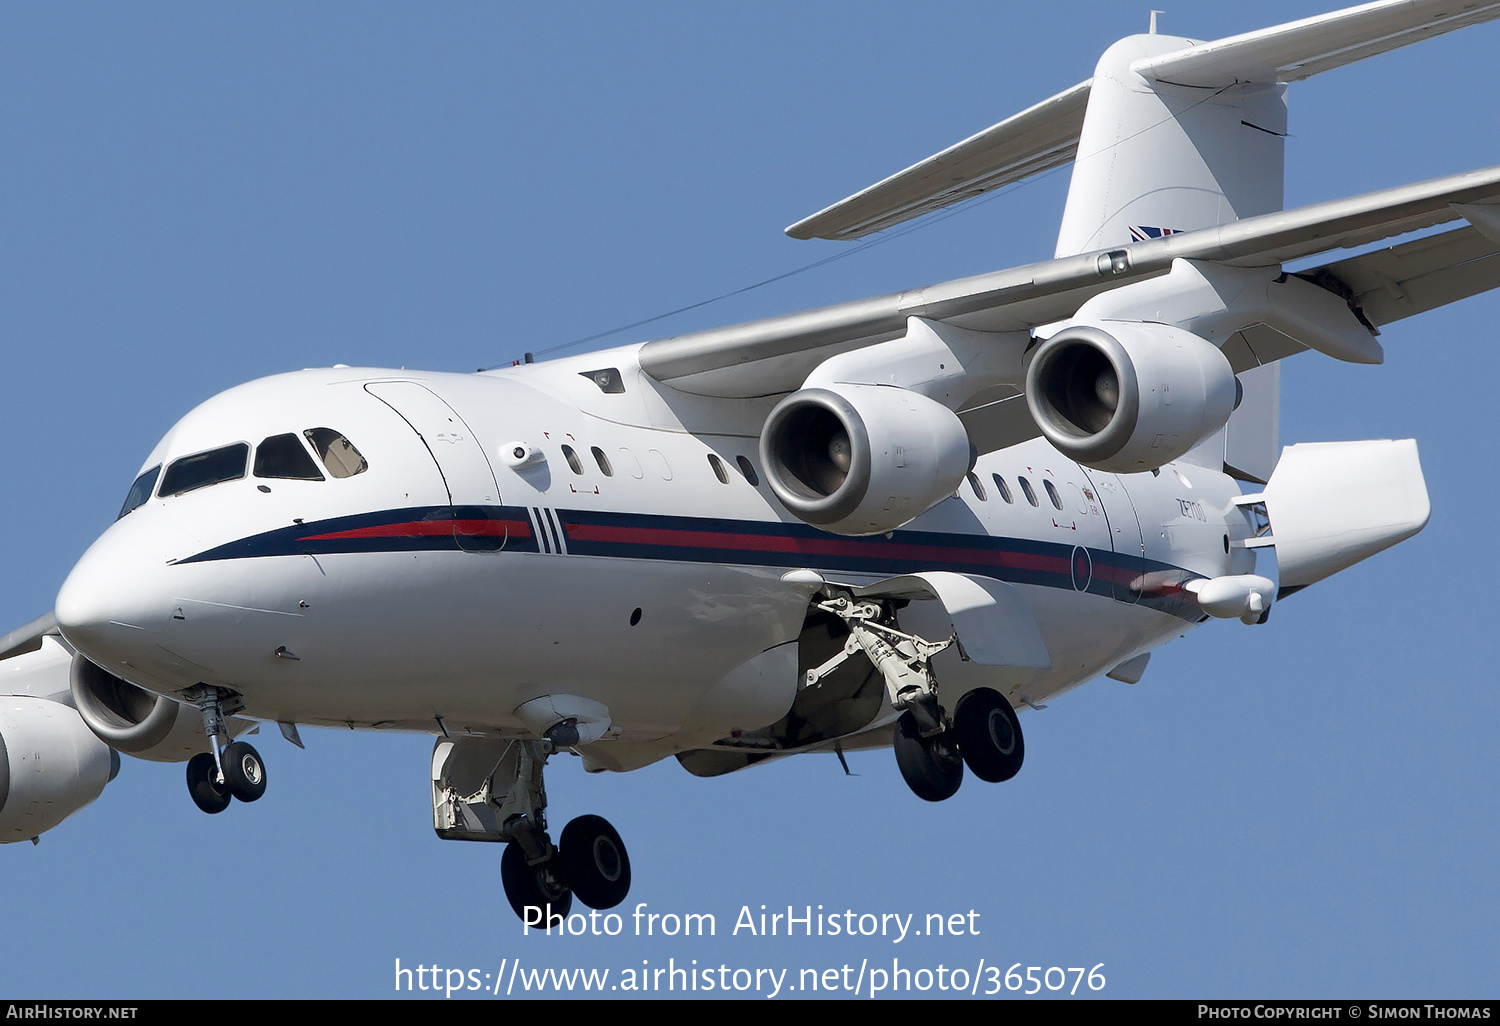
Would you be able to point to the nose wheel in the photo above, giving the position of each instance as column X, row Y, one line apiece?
column 218, row 776
column 205, row 784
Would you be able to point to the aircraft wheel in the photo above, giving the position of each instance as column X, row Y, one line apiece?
column 989, row 735
column 203, row 784
column 597, row 866
column 244, row 773
column 534, row 885
column 931, row 767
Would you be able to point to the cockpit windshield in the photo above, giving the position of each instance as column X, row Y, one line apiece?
column 337, row 453
column 283, row 456
column 204, row 469
column 141, row 490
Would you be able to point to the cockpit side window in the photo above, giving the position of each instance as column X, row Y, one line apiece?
column 283, row 456
column 204, row 469
column 141, row 490
column 337, row 453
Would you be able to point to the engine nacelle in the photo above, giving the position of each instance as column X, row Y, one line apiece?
column 1131, row 398
column 135, row 721
column 864, row 459
column 51, row 765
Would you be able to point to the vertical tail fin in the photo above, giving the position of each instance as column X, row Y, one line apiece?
column 1155, row 157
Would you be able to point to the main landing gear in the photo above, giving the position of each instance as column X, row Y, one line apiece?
column 490, row 789
column 931, row 747
column 589, row 863
column 216, row 777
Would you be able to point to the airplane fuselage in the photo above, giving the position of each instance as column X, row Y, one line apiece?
column 533, row 531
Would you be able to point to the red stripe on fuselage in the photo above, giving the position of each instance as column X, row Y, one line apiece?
column 432, row 529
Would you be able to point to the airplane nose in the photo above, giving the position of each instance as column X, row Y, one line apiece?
column 116, row 598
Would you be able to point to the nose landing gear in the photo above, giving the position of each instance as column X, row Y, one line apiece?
column 217, row 776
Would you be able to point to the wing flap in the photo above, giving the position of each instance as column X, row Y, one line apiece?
column 1417, row 276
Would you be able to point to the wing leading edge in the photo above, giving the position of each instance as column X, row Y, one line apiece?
column 775, row 355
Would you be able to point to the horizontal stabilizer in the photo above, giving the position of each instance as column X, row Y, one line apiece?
column 1300, row 49
column 1037, row 139
column 1332, row 504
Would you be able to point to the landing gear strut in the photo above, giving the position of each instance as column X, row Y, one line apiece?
column 216, row 776
column 931, row 748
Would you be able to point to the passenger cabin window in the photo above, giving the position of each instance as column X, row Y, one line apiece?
column 337, row 453
column 282, row 456
column 1026, row 487
column 141, row 490
column 1052, row 493
column 719, row 471
column 978, row 488
column 748, row 469
column 205, row 468
column 572, row 458
column 1002, row 487
column 603, row 461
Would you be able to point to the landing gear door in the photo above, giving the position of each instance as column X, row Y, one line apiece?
column 473, row 496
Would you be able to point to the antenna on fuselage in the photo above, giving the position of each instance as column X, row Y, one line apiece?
column 1152, row 29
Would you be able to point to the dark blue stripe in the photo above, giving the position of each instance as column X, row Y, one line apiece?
column 737, row 542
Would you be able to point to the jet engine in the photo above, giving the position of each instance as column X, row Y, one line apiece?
column 1131, row 398
column 51, row 765
column 864, row 459
column 133, row 720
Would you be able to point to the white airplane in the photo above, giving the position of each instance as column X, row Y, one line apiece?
column 893, row 522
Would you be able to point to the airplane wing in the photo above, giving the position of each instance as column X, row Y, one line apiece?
column 1037, row 139
column 775, row 355
column 28, row 636
column 1300, row 49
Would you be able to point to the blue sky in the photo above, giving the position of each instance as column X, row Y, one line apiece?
column 196, row 195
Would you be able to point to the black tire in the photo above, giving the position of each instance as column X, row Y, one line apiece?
column 539, row 886
column 989, row 735
column 244, row 772
column 203, row 784
column 596, row 861
column 931, row 767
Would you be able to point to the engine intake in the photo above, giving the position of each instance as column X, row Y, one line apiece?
column 1129, row 399
column 865, row 459
column 127, row 718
